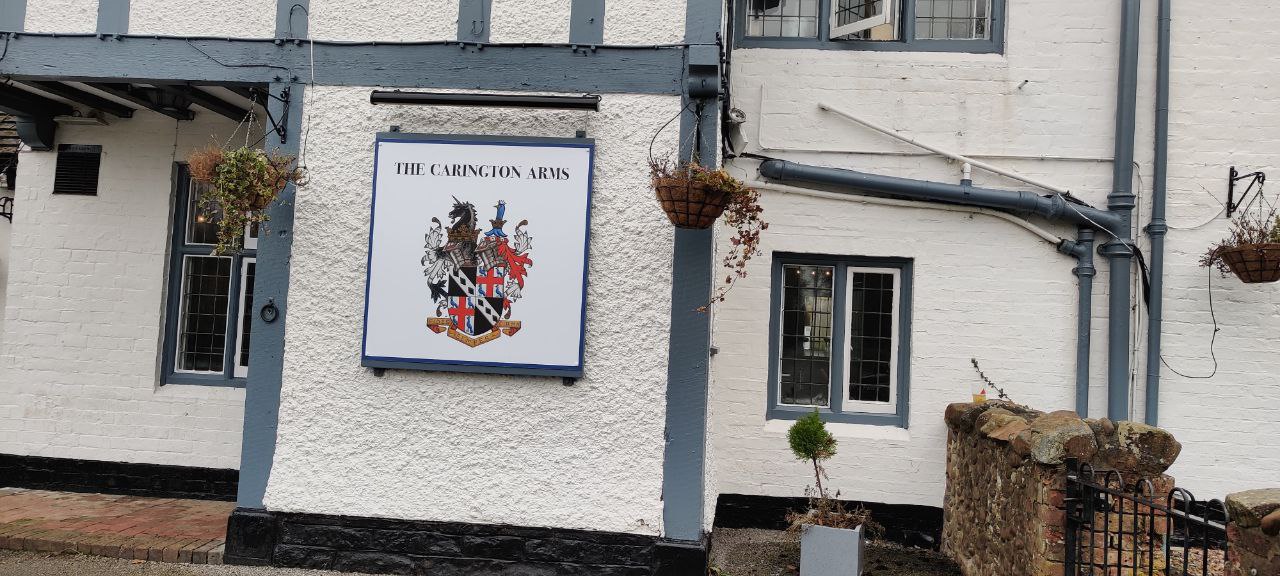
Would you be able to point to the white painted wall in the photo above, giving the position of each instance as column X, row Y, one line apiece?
column 6, row 230
column 477, row 448
column 385, row 20
column 659, row 22
column 66, row 16
column 83, row 322
column 229, row 18
column 986, row 289
column 530, row 21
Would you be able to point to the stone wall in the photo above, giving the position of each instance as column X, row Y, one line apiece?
column 1004, row 512
column 1254, row 533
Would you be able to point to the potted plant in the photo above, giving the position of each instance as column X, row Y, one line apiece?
column 243, row 182
column 831, row 540
column 694, row 197
column 1252, row 251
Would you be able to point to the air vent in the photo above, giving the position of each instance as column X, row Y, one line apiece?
column 77, row 169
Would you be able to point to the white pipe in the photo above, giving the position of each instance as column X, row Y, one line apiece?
column 942, row 151
column 967, row 172
column 1038, row 231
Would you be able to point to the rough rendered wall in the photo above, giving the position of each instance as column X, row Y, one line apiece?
column 230, row 18
column 530, row 21
column 660, row 22
column 473, row 447
column 79, row 355
column 385, row 20
column 66, row 16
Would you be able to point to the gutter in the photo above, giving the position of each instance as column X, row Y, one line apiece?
column 1053, row 207
column 1158, row 228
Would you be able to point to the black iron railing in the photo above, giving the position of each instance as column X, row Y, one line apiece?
column 1117, row 528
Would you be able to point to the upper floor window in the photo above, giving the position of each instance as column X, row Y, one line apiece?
column 840, row 338
column 925, row 25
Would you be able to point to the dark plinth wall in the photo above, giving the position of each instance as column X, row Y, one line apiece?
column 383, row 546
column 71, row 475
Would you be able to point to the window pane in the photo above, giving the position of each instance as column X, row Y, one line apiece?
column 806, row 335
column 783, row 19
column 202, row 224
column 246, row 315
column 871, row 302
column 202, row 320
column 952, row 19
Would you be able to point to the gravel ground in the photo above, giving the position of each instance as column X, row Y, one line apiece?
column 37, row 564
column 752, row 552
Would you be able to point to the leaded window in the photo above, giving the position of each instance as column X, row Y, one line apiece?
column 209, row 318
column 943, row 25
column 840, row 338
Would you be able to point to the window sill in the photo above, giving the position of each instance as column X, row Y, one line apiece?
column 933, row 46
column 787, row 414
column 203, row 380
column 775, row 427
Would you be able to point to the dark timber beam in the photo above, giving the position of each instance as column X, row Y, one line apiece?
column 135, row 59
column 208, row 101
column 22, row 103
column 34, row 115
column 83, row 98
column 127, row 92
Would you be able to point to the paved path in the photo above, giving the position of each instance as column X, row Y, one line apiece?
column 44, row 564
column 129, row 527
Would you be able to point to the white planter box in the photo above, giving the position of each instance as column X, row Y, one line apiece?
column 831, row 551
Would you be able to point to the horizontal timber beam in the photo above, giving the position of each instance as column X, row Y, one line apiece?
column 22, row 103
column 209, row 102
column 135, row 95
column 551, row 68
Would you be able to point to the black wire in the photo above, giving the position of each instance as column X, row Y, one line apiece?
column 7, row 36
column 207, row 55
column 1212, row 340
column 664, row 127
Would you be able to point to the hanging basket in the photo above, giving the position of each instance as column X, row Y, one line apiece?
column 1254, row 263
column 690, row 204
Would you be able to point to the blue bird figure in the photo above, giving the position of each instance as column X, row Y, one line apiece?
column 498, row 222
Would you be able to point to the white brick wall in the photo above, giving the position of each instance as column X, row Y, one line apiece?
column 987, row 289
column 83, row 321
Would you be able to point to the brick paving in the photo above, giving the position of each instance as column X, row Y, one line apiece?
column 129, row 527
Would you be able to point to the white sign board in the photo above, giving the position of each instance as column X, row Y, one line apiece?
column 477, row 254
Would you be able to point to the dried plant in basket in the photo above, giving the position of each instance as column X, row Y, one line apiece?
column 1252, row 250
column 694, row 196
column 243, row 183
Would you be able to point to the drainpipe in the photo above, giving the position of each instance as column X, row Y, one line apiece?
column 1157, row 228
column 1082, row 249
column 1119, row 251
column 1054, row 207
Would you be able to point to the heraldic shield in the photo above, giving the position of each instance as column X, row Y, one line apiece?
column 475, row 279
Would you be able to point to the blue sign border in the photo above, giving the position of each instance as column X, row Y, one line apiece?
column 469, row 366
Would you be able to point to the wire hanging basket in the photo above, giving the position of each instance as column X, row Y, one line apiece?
column 689, row 203
column 1254, row 263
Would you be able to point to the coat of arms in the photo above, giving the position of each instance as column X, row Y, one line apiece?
column 475, row 279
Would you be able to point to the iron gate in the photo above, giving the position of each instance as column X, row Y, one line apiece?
column 1115, row 528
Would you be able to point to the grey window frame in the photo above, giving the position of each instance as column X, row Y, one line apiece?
column 906, row 42
column 837, row 396
column 178, row 250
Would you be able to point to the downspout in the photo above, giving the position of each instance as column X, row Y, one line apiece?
column 1158, row 228
column 1120, row 203
column 1082, row 249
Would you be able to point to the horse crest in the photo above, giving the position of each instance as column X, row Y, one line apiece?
column 475, row 278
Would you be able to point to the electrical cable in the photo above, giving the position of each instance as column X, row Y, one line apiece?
column 1212, row 339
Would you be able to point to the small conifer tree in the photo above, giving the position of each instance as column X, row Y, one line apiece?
column 810, row 441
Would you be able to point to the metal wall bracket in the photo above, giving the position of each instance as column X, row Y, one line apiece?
column 6, row 208
column 280, row 126
column 1257, row 179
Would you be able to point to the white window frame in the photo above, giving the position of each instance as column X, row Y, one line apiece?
column 867, row 406
column 242, row 370
column 182, row 315
column 831, row 359
column 886, row 15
